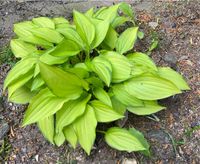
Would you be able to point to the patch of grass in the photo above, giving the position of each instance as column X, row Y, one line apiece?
column 5, row 148
column 190, row 131
column 6, row 56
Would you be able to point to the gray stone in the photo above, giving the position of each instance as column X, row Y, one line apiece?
column 4, row 128
column 170, row 58
column 153, row 24
column 129, row 161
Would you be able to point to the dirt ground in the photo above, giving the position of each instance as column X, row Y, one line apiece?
column 174, row 133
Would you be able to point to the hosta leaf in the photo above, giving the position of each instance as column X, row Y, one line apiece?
column 124, row 97
column 101, row 29
column 65, row 49
column 21, row 95
column 84, row 27
column 148, row 108
column 104, row 113
column 119, row 21
column 47, row 34
column 95, row 81
column 149, row 87
column 90, row 12
column 108, row 13
column 118, row 106
column 70, row 135
column 102, row 95
column 126, row 9
column 17, row 84
column 21, row 68
column 121, row 67
column 37, row 83
column 110, row 39
column 70, row 33
column 85, row 128
column 42, row 105
column 46, row 126
column 123, row 140
column 44, row 22
column 80, row 72
column 142, row 60
column 60, row 20
column 21, row 49
column 126, row 40
column 142, row 140
column 140, row 34
column 70, row 111
column 103, row 68
column 62, row 84
column 174, row 77
column 59, row 139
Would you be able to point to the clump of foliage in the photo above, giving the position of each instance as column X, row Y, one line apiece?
column 77, row 74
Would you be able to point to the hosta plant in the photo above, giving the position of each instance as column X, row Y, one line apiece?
column 76, row 74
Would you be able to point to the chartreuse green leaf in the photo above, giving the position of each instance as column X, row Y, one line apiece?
column 174, row 77
column 12, row 89
column 150, row 87
column 21, row 68
column 140, row 35
column 126, row 40
column 70, row 135
column 120, row 20
column 37, row 83
column 70, row 111
column 126, row 9
column 104, row 113
column 101, row 29
column 21, row 49
column 46, row 126
column 47, row 34
column 124, row 97
column 62, row 84
column 142, row 140
column 148, row 108
column 60, row 20
column 90, row 12
column 118, row 106
column 110, row 39
column 121, row 67
column 84, row 27
column 80, row 72
column 85, row 128
column 44, row 22
column 102, row 67
column 142, row 60
column 42, row 105
column 70, row 33
column 59, row 138
column 102, row 95
column 107, row 13
column 66, row 48
column 123, row 140
column 21, row 95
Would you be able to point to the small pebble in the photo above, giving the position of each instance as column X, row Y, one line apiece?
column 153, row 24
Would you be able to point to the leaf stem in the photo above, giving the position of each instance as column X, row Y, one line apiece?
column 100, row 131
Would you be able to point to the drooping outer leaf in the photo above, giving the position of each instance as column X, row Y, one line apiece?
column 120, row 20
column 102, row 67
column 142, row 140
column 124, row 97
column 66, row 48
column 21, row 68
column 126, row 40
column 44, row 22
column 62, row 84
column 84, row 27
column 123, row 140
column 148, row 108
column 143, row 60
column 70, row 135
column 59, row 138
column 60, row 20
column 121, row 67
column 70, row 111
column 118, row 106
column 46, row 126
column 104, row 113
column 174, row 77
column 150, row 87
column 42, row 105
column 102, row 95
column 101, row 29
column 21, row 49
column 126, row 9
column 85, row 128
